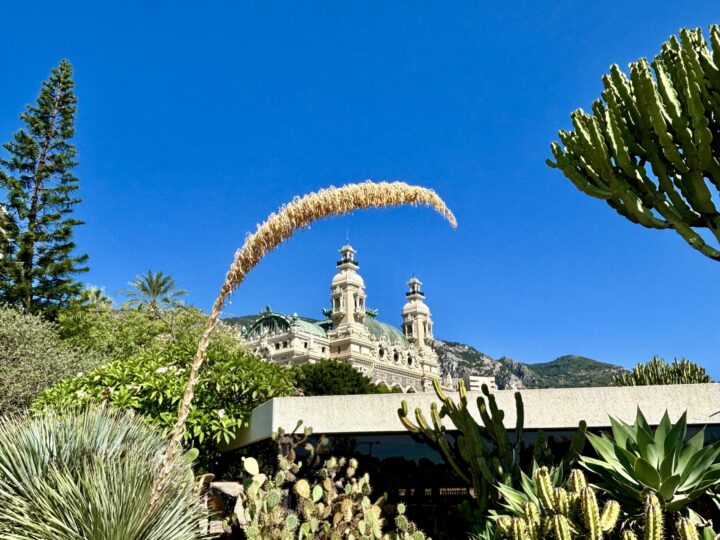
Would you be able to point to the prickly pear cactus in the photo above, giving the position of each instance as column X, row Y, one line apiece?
column 331, row 501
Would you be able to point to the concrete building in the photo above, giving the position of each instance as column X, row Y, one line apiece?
column 351, row 332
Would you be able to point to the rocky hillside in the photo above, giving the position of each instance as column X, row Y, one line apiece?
column 458, row 359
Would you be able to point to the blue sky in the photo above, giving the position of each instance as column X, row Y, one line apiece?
column 198, row 119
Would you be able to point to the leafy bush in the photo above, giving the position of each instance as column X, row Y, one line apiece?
column 333, row 378
column 658, row 371
column 32, row 358
column 119, row 333
column 89, row 474
column 152, row 383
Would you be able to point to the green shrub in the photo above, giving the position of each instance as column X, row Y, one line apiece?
column 119, row 333
column 89, row 474
column 658, row 371
column 333, row 378
column 152, row 383
column 32, row 358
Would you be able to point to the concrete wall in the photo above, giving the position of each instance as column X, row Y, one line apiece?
column 557, row 408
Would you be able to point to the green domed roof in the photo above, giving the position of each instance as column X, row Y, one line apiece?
column 381, row 330
column 279, row 322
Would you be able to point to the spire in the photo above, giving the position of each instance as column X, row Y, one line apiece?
column 417, row 324
column 347, row 258
column 414, row 292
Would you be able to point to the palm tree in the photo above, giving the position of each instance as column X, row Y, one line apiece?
column 154, row 291
column 95, row 298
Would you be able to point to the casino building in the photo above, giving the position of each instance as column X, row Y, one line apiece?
column 351, row 332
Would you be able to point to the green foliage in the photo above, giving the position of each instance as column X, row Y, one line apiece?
column 331, row 501
column 152, row 383
column 573, row 371
column 635, row 460
column 118, row 334
column 38, row 265
column 33, row 358
column 658, row 371
column 331, row 378
column 89, row 474
column 484, row 456
column 562, row 513
column 650, row 149
column 154, row 292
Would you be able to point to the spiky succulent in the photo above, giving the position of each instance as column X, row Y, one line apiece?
column 635, row 459
column 564, row 512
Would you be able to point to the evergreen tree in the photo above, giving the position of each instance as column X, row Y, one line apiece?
column 37, row 269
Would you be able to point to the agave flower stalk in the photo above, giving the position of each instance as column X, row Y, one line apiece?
column 278, row 228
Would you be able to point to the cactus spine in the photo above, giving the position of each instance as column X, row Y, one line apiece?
column 663, row 126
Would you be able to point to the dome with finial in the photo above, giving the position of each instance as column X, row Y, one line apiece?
column 416, row 299
column 348, row 267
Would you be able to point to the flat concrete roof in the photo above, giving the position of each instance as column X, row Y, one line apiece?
column 552, row 408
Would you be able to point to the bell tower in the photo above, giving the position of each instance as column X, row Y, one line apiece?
column 417, row 323
column 347, row 297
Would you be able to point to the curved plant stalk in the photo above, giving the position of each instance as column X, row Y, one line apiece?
column 279, row 227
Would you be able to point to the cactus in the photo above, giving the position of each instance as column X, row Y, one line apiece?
column 483, row 455
column 569, row 512
column 664, row 126
column 330, row 501
column 658, row 371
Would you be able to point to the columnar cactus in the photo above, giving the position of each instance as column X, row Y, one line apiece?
column 564, row 513
column 658, row 371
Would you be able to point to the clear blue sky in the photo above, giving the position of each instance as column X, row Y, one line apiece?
column 198, row 119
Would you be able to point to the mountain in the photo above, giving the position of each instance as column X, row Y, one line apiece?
column 572, row 371
column 459, row 359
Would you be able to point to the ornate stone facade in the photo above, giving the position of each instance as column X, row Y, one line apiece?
column 351, row 333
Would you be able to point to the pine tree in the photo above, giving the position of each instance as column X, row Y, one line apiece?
column 37, row 269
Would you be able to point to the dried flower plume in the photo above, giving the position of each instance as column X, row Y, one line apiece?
column 280, row 226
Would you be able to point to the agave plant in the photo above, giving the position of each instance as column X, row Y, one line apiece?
column 89, row 475
column 635, row 460
column 515, row 500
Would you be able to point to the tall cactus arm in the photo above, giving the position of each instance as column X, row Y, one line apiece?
column 651, row 146
column 434, row 435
